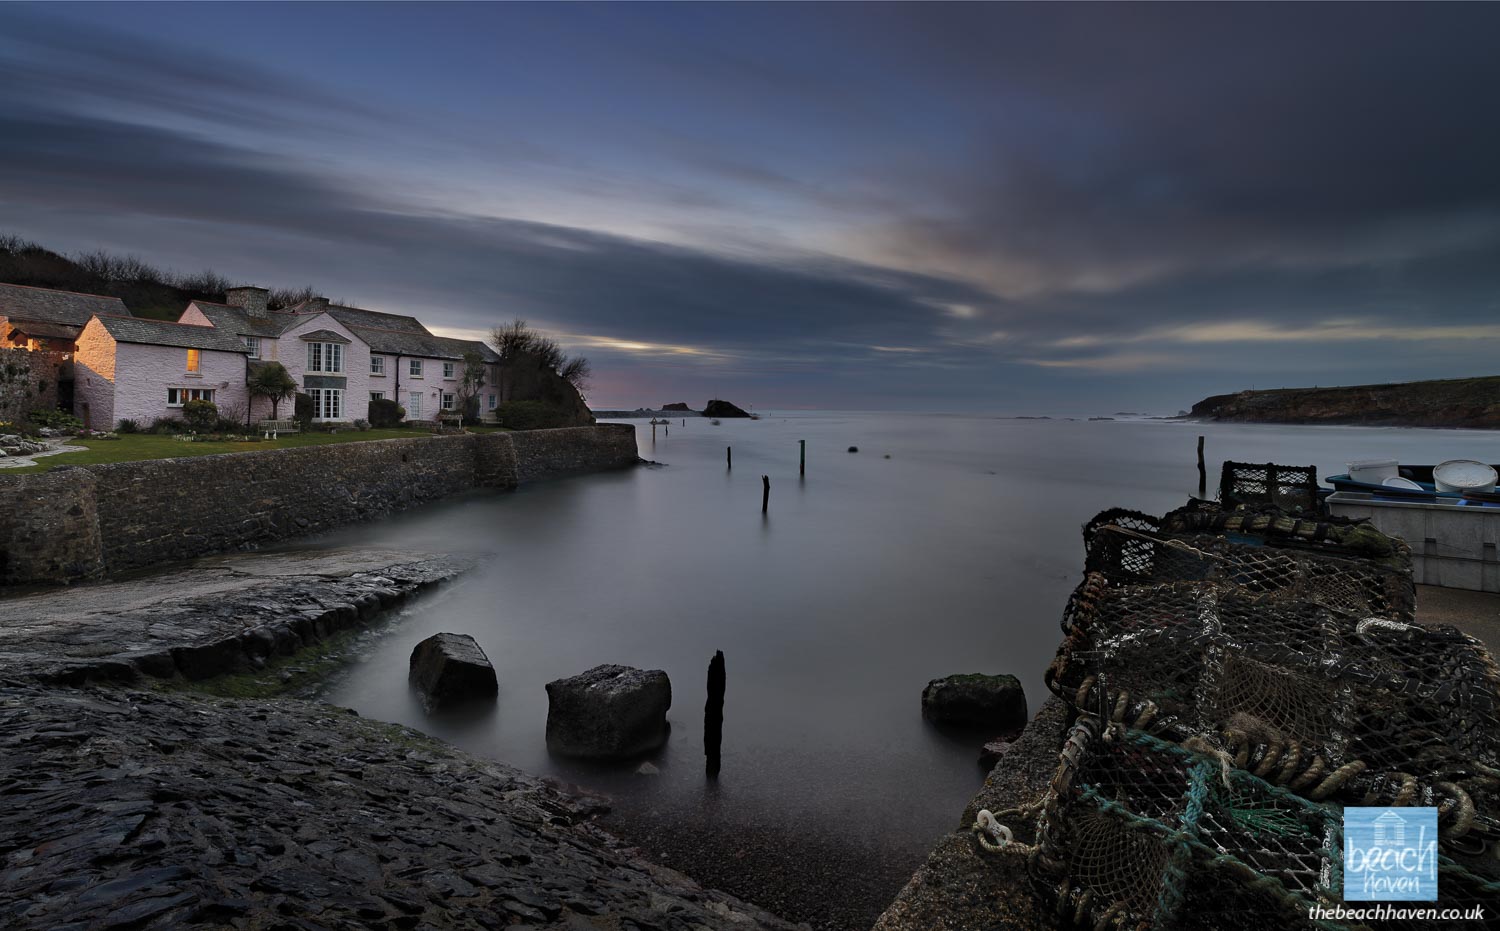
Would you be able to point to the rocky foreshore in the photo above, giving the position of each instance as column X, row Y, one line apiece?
column 139, row 809
column 129, row 801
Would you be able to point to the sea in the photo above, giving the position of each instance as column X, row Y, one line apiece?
column 912, row 547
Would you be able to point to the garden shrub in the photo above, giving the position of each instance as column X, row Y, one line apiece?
column 57, row 420
column 361, row 425
column 386, row 413
column 200, row 416
column 128, row 426
column 167, row 426
column 302, row 410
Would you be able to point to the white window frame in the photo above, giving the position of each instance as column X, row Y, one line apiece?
column 184, row 395
column 328, row 404
column 414, row 368
column 450, row 370
column 252, row 343
column 377, row 365
column 377, row 395
column 491, row 402
column 449, row 401
column 414, row 405
column 325, row 358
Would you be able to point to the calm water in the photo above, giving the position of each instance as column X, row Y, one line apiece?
column 867, row 579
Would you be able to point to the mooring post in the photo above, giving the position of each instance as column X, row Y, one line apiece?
column 765, row 493
column 729, row 457
column 1202, row 472
column 653, row 431
column 713, row 713
column 802, row 457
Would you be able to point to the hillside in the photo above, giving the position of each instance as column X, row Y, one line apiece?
column 148, row 291
column 1456, row 402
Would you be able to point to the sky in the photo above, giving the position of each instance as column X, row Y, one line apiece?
column 1013, row 208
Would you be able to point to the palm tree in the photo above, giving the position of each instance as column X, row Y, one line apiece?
column 270, row 380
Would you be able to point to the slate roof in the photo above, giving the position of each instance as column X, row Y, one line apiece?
column 324, row 336
column 358, row 316
column 69, row 308
column 397, row 343
column 162, row 333
column 47, row 330
column 235, row 320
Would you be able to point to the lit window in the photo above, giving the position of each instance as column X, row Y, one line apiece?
column 447, row 369
column 448, row 400
column 192, row 365
column 325, row 357
column 377, row 365
column 176, row 397
column 416, row 368
column 252, row 343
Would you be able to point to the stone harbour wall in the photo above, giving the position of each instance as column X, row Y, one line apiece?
column 76, row 523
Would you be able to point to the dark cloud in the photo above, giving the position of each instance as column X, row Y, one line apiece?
column 1056, row 201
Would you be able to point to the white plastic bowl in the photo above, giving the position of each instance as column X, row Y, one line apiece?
column 1373, row 471
column 1460, row 475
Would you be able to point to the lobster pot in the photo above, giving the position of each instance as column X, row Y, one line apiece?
column 1141, row 833
column 1290, row 488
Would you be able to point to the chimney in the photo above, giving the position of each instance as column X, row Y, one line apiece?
column 251, row 300
column 316, row 305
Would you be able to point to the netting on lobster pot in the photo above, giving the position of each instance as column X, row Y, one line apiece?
column 1325, row 703
column 1140, row 833
column 1137, row 832
column 1290, row 488
column 1127, row 555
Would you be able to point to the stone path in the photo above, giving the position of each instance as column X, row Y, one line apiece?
column 55, row 446
column 213, row 616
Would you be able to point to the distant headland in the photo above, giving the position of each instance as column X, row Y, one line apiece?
column 714, row 408
column 1455, row 402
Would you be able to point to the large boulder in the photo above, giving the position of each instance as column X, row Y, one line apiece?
column 609, row 712
column 996, row 702
column 717, row 408
column 449, row 668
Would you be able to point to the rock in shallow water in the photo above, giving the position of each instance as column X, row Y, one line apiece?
column 608, row 712
column 983, row 701
column 449, row 668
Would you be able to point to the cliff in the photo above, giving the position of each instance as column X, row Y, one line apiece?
column 1457, row 402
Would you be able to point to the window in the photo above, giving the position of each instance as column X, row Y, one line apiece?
column 325, row 357
column 377, row 395
column 491, row 403
column 416, row 368
column 448, row 400
column 252, row 343
column 193, row 360
column 447, row 369
column 377, row 365
column 414, row 405
column 328, row 403
column 176, row 397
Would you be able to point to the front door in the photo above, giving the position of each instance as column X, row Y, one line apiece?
column 414, row 406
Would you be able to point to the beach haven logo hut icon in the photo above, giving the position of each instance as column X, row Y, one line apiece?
column 1390, row 855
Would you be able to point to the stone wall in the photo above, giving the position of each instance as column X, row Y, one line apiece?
column 28, row 382
column 76, row 523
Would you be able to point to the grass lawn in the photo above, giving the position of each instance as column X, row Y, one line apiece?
column 133, row 446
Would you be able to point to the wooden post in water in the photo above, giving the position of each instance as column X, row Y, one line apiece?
column 729, row 457
column 765, row 493
column 1202, row 472
column 802, row 457
column 713, row 713
column 653, row 431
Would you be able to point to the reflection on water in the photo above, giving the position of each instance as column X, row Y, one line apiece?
column 865, row 580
